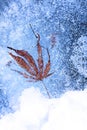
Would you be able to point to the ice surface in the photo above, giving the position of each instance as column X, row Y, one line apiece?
column 79, row 56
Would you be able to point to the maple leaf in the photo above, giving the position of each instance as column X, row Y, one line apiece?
column 35, row 72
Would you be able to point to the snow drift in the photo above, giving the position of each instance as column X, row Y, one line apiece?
column 36, row 112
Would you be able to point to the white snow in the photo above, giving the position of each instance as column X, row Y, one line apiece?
column 69, row 112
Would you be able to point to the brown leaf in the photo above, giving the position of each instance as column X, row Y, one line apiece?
column 24, row 74
column 28, row 57
column 40, row 58
column 47, row 68
column 22, row 63
column 27, row 62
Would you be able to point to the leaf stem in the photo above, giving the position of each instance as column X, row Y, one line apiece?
column 46, row 89
column 33, row 30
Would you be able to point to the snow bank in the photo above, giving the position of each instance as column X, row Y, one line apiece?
column 69, row 112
